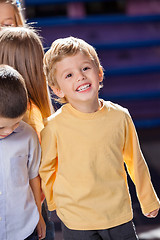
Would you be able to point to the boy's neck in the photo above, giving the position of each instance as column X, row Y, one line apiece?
column 89, row 107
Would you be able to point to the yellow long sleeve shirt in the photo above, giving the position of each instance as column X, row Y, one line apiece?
column 82, row 167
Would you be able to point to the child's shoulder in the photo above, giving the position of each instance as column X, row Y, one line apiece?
column 51, row 119
column 26, row 130
column 23, row 126
column 116, row 107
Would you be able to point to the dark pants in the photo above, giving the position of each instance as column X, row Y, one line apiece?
column 50, row 230
column 33, row 236
column 122, row 232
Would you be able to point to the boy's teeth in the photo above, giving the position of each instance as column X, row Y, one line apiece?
column 83, row 87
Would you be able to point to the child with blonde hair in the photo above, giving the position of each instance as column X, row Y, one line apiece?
column 21, row 48
column 84, row 147
column 11, row 13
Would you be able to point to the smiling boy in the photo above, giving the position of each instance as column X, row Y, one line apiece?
column 84, row 147
column 82, row 92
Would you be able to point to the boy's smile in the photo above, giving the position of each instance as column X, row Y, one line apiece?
column 8, row 125
column 83, row 87
column 78, row 79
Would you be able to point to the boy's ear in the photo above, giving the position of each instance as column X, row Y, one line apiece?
column 101, row 74
column 57, row 91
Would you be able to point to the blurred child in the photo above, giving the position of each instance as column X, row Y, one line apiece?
column 19, row 163
column 21, row 48
column 11, row 13
column 84, row 147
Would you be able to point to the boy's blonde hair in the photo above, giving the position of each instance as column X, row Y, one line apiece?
column 65, row 47
column 17, row 11
column 21, row 48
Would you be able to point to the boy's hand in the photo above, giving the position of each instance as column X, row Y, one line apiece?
column 41, row 228
column 152, row 214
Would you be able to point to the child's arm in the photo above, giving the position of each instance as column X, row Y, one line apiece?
column 139, row 172
column 49, row 163
column 36, row 189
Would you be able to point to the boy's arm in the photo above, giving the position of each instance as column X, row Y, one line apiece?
column 49, row 162
column 34, row 180
column 138, row 170
column 36, row 189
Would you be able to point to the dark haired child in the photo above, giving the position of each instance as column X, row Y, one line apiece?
column 20, row 198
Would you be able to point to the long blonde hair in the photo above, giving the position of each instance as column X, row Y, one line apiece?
column 21, row 48
column 19, row 18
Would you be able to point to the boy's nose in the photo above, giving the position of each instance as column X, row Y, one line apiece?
column 80, row 77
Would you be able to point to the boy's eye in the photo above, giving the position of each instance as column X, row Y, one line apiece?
column 85, row 68
column 69, row 75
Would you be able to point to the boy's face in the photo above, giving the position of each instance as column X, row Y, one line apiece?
column 7, row 16
column 8, row 125
column 78, row 79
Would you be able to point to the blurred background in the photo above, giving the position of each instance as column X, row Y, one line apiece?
column 126, row 35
